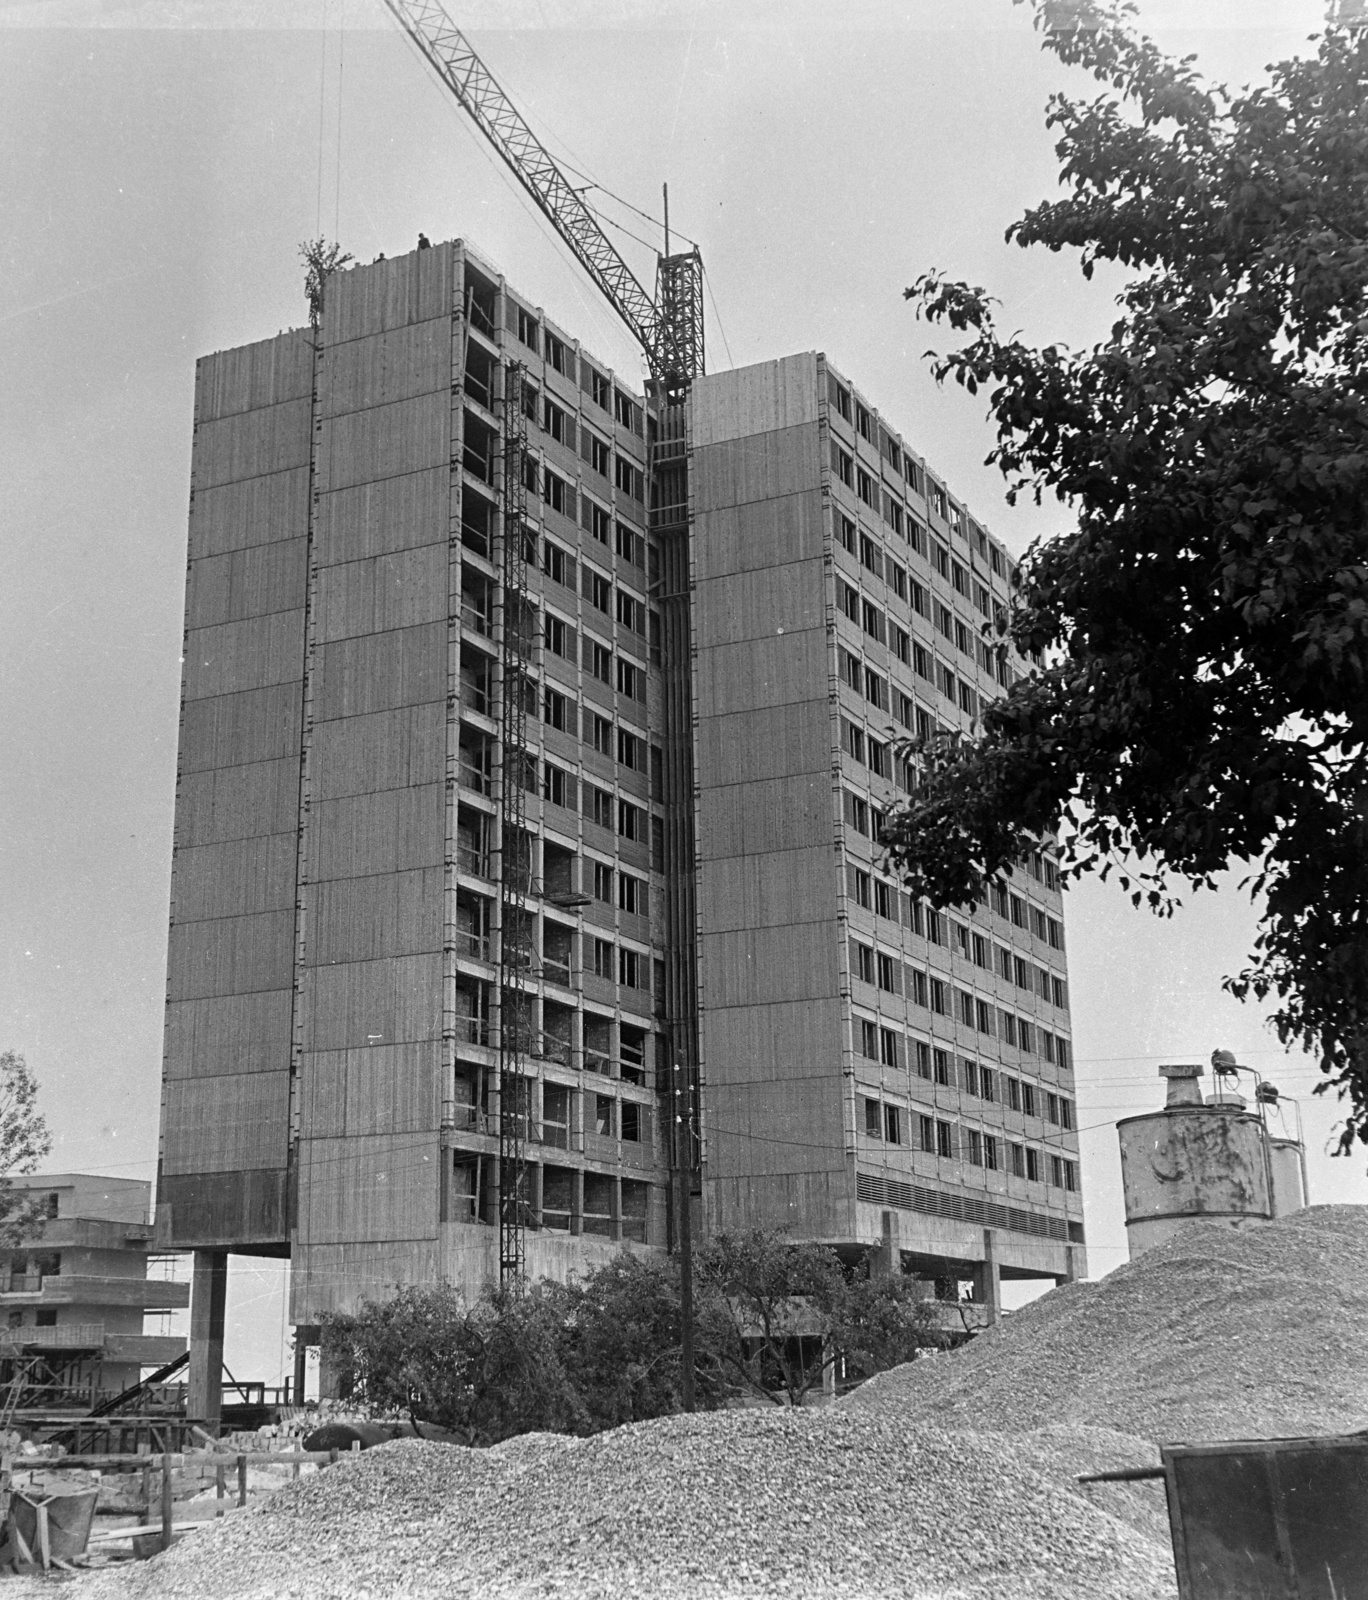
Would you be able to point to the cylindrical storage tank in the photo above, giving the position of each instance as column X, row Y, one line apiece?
column 1190, row 1161
column 1285, row 1159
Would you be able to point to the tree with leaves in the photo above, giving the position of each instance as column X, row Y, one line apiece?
column 1203, row 698
column 24, row 1142
column 783, row 1315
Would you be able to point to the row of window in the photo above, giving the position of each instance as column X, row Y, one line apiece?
column 874, row 686
column 951, row 1142
column 559, row 356
column 937, row 1065
column 563, row 496
column 630, row 611
column 913, row 594
column 886, row 900
column 901, row 464
column 628, row 968
column 883, row 971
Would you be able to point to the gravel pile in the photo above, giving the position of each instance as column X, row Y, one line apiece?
column 1218, row 1334
column 743, row 1503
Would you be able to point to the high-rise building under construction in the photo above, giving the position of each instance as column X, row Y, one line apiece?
column 535, row 737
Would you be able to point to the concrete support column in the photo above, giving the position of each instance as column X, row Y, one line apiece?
column 988, row 1290
column 208, row 1298
column 887, row 1259
column 577, row 1202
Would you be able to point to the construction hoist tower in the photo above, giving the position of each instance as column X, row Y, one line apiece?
column 669, row 327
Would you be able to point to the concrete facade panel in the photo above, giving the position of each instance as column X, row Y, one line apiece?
column 226, row 1034
column 780, row 814
column 384, row 1089
column 254, row 653
column 256, row 725
column 369, row 1189
column 393, row 831
column 357, row 676
column 250, row 512
column 235, row 878
column 383, row 593
column 363, row 919
column 251, row 444
column 400, row 749
column 403, row 362
column 214, row 804
column 376, row 519
column 394, row 1001
column 226, row 1124
column 233, row 955
column 254, row 376
column 251, row 582
column 385, row 442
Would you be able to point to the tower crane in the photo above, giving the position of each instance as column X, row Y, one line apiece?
column 668, row 327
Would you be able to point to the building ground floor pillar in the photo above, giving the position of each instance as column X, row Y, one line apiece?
column 208, row 1301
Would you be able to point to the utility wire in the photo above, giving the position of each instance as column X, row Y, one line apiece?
column 322, row 102
column 717, row 316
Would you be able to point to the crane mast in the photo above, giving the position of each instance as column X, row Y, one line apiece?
column 669, row 328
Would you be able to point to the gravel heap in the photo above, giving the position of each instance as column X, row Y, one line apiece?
column 1221, row 1333
column 743, row 1503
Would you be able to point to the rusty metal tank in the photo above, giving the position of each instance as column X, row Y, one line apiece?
column 1191, row 1161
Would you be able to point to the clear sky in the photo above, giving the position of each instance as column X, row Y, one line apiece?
column 161, row 160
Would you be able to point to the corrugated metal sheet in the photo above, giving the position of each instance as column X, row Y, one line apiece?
column 222, row 1124
column 386, row 1089
column 372, row 519
column 251, row 654
column 237, row 802
column 246, row 583
column 252, row 444
column 235, row 729
column 402, row 590
column 229, row 1033
column 392, row 831
column 236, row 955
column 253, row 511
column 362, row 919
column 235, row 878
column 394, row 1001
column 254, row 375
column 381, row 670
column 400, row 749
column 384, row 442
column 410, row 360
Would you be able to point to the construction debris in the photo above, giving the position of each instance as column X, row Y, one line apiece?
column 954, row 1478
column 1221, row 1333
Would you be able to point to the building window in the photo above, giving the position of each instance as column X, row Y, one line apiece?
column 1013, row 1093
column 558, row 566
column 603, row 959
column 50, row 1207
column 876, row 690
column 970, row 1074
column 871, row 556
column 631, row 822
column 633, row 895
column 595, row 519
column 926, row 1134
column 864, row 962
column 856, row 812
column 854, row 740
column 627, row 412
column 873, row 1121
column 893, row 1124
column 554, row 709
column 990, row 1152
column 603, row 883
column 883, row 900
column 1028, row 1099
column 557, row 493
column 631, row 969
column 862, row 422
column 1071, row 1176
column 1018, row 1160
column 631, row 546
column 888, row 974
column 938, row 1002
column 597, row 590
column 528, row 328
column 862, row 888
column 1066, row 1116
column 1052, row 1108
column 975, row 1147
column 631, row 750
column 888, row 1047
column 848, row 599
column 983, row 1016
column 1025, row 1035
column 987, row 1084
column 603, row 736
column 556, row 353
column 847, row 534
column 1032, row 1165
column 631, row 1122
column 558, row 786
column 631, row 613
column 601, row 663
column 602, row 802
column 1056, row 1172
column 869, row 1039
column 923, row 1054
column 1007, row 1022
column 603, row 1115
column 631, row 680
column 872, row 620
column 945, row 1140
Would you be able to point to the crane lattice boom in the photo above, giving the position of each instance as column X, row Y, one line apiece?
column 674, row 349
